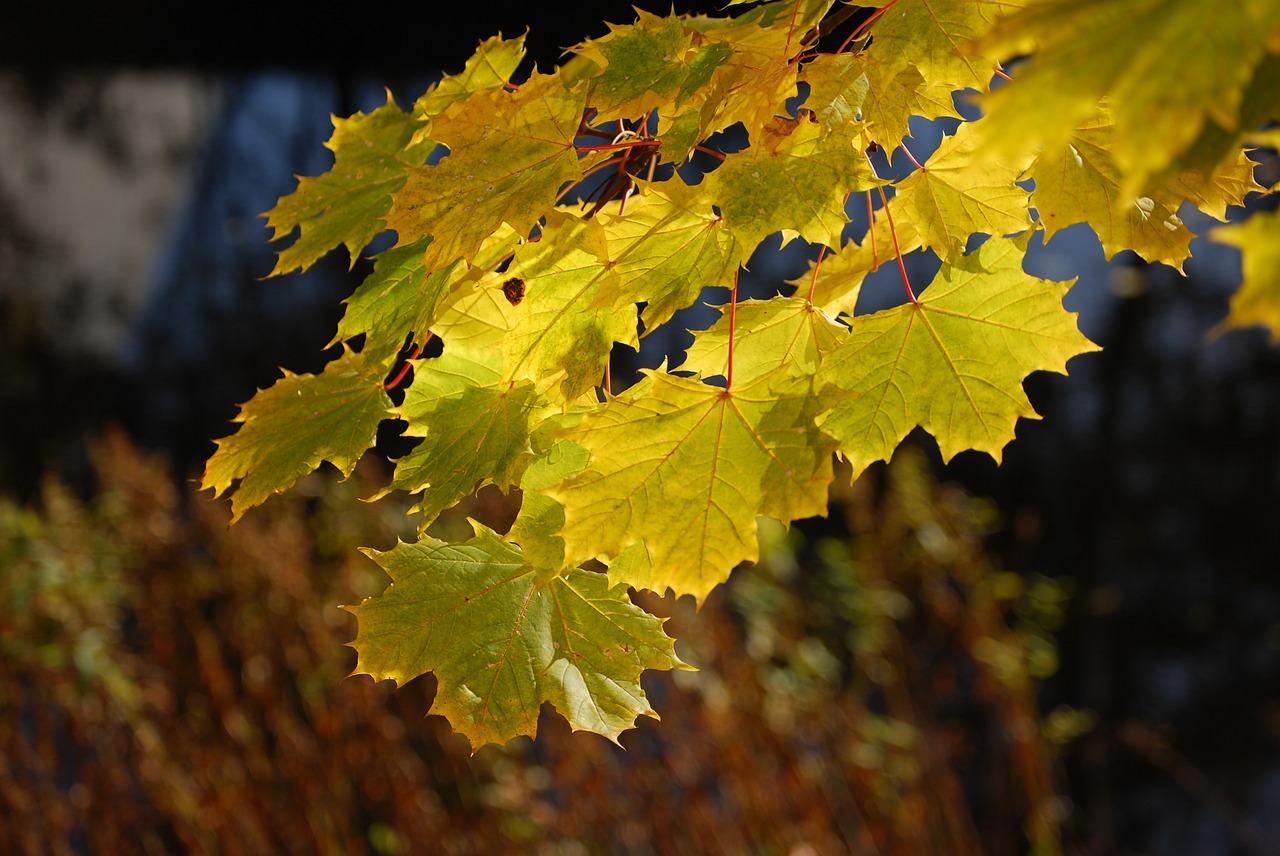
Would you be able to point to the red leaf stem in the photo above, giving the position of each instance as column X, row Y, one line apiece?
column 813, row 282
column 867, row 23
column 871, row 231
column 630, row 143
column 911, row 156
column 897, row 249
column 404, row 369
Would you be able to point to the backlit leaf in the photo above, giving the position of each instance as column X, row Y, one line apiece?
column 301, row 421
column 1167, row 67
column 793, row 179
column 666, row 247
column 952, row 363
column 509, row 155
column 948, row 200
column 686, row 468
column 501, row 642
column 348, row 205
column 1258, row 300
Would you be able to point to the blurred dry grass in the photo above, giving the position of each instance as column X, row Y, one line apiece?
column 168, row 685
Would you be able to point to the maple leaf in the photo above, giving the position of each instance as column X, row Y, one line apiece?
column 1082, row 183
column 753, row 83
column 640, row 66
column 837, row 88
column 509, row 155
column 889, row 104
column 501, row 641
column 948, row 200
column 558, row 327
column 1258, row 300
column 794, row 178
column 686, row 468
column 666, row 248
column 1132, row 51
column 489, row 68
column 953, row 362
column 537, row 527
column 400, row 297
column 936, row 37
column 786, row 332
column 372, row 154
column 289, row 429
column 475, row 427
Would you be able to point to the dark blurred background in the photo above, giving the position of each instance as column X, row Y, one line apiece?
column 1079, row 649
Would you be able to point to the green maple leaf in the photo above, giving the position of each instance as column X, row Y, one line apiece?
column 400, row 297
column 372, row 154
column 1258, row 300
column 1131, row 51
column 952, row 363
column 667, row 246
column 752, row 84
column 685, row 468
column 1082, row 183
column 290, row 428
column 489, row 68
column 537, row 527
column 638, row 67
column 949, row 200
column 501, row 641
column 794, row 178
column 510, row 153
column 888, row 106
column 475, row 427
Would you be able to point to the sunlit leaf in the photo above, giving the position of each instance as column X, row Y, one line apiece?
column 301, row 421
column 952, row 363
column 500, row 641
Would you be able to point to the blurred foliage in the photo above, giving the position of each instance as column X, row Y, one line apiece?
column 168, row 686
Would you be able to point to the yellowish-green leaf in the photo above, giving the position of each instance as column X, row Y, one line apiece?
column 1083, row 184
column 949, row 200
column 347, row 206
column 509, row 155
column 754, row 82
column 952, row 363
column 1167, row 66
column 642, row 65
column 1258, row 300
column 475, row 427
column 665, row 248
column 837, row 88
column 537, row 526
column 489, row 68
column 501, row 642
column 784, row 335
column 559, row 325
column 299, row 422
column 685, row 468
column 936, row 37
column 399, row 298
column 794, row 178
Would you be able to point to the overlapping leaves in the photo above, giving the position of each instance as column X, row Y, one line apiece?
column 530, row 296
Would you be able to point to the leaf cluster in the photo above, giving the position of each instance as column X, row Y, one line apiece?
column 543, row 223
